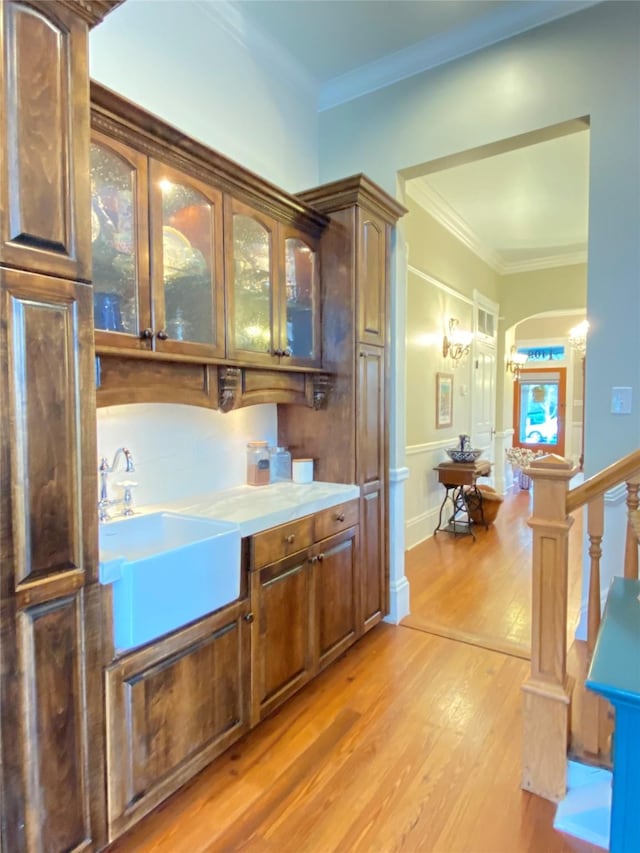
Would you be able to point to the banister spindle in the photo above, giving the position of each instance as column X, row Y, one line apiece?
column 592, row 707
column 631, row 544
column 595, row 529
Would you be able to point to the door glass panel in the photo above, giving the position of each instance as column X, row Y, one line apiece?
column 187, row 263
column 539, row 413
column 113, row 243
column 252, row 284
column 300, row 262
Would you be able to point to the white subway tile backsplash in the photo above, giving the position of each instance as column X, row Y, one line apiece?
column 181, row 451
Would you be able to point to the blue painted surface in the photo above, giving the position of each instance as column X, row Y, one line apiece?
column 167, row 570
column 615, row 674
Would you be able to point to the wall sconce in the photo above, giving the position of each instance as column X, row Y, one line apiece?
column 457, row 343
column 515, row 361
column 578, row 337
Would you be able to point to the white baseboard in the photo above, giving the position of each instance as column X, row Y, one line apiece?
column 399, row 601
column 421, row 527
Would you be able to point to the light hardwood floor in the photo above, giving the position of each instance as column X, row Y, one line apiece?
column 410, row 742
column 480, row 591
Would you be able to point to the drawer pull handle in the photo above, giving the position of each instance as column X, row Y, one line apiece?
column 290, row 539
column 340, row 516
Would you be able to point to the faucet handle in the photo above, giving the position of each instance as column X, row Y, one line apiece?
column 127, row 498
column 104, row 465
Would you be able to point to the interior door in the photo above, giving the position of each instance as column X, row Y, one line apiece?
column 539, row 409
column 484, row 399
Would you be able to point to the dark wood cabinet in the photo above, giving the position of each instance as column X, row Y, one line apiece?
column 50, row 696
column 304, row 580
column 44, row 131
column 282, row 635
column 157, row 255
column 372, row 464
column 372, row 278
column 337, row 595
column 273, row 290
column 194, row 257
column 349, row 439
column 172, row 707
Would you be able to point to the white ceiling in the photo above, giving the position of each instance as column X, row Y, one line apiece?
column 523, row 209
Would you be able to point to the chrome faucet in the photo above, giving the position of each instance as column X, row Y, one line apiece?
column 104, row 470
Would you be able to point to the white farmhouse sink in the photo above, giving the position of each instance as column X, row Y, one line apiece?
column 166, row 569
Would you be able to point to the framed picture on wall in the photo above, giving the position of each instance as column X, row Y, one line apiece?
column 444, row 400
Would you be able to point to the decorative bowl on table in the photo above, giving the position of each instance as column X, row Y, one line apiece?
column 457, row 455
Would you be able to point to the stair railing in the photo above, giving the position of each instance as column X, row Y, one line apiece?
column 548, row 688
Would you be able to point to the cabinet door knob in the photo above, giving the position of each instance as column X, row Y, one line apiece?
column 248, row 617
column 320, row 557
column 313, row 559
column 162, row 335
column 146, row 334
column 277, row 352
column 290, row 539
column 340, row 516
column 286, row 352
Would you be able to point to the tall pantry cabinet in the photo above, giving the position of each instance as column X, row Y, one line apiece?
column 51, row 705
column 349, row 439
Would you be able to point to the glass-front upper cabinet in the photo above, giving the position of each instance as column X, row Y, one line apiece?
column 300, row 332
column 252, row 329
column 186, row 263
column 119, row 238
column 273, row 292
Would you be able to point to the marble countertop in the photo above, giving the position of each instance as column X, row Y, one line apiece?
column 256, row 508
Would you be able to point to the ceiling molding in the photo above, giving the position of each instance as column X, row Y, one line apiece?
column 504, row 23
column 435, row 205
column 228, row 16
column 543, row 262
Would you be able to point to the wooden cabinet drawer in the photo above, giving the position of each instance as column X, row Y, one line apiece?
column 279, row 542
column 336, row 519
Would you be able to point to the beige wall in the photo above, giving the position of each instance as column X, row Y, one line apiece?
column 526, row 294
column 434, row 250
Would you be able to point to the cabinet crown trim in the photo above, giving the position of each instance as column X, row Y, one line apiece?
column 125, row 121
column 92, row 11
column 355, row 190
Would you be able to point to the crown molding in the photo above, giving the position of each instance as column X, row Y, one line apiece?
column 501, row 24
column 228, row 16
column 435, row 205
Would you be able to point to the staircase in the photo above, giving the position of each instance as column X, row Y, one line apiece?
column 559, row 714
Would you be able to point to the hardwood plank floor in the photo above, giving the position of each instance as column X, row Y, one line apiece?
column 480, row 591
column 410, row 742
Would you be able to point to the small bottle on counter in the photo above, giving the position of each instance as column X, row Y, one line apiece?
column 258, row 467
column 280, row 464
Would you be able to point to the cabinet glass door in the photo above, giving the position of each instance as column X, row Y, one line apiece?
column 252, row 288
column 301, row 333
column 120, row 279
column 185, row 215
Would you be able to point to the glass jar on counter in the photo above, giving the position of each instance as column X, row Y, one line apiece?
column 280, row 464
column 258, row 463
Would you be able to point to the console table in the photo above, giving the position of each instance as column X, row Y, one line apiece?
column 615, row 674
column 459, row 480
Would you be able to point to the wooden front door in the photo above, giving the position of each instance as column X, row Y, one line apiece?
column 539, row 409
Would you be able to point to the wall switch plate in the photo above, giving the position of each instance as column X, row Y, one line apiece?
column 621, row 401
